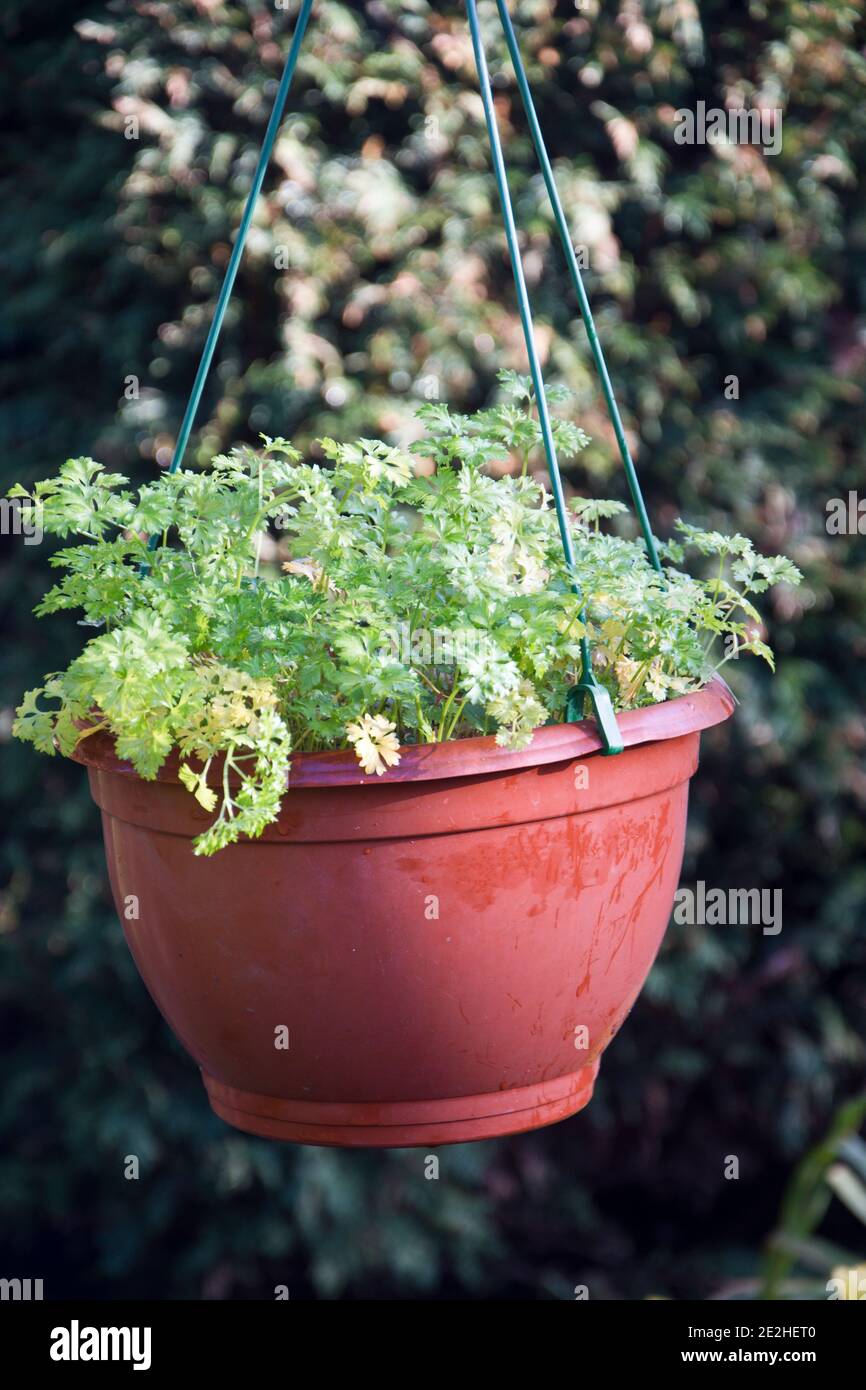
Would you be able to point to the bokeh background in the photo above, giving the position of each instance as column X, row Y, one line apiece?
column 704, row 261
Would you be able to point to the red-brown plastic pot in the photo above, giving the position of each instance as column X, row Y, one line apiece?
column 447, row 950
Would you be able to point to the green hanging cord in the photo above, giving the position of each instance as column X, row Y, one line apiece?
column 238, row 249
column 588, row 686
column 577, row 281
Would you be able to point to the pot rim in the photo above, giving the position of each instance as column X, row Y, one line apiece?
column 468, row 757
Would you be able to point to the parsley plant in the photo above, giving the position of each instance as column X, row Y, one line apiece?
column 396, row 608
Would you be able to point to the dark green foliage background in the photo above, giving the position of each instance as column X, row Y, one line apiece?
column 705, row 262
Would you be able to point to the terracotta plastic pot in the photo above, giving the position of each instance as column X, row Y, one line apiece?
column 436, row 955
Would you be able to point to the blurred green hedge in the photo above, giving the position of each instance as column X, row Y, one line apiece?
column 377, row 267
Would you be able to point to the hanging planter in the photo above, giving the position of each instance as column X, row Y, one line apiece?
column 436, row 955
column 383, row 878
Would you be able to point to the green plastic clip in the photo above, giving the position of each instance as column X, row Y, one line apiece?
column 588, row 687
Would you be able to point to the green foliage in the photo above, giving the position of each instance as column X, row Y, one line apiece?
column 834, row 1167
column 704, row 262
column 411, row 610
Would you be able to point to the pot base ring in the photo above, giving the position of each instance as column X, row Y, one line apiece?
column 409, row 1124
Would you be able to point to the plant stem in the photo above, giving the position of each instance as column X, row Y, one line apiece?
column 447, row 706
